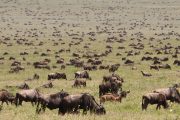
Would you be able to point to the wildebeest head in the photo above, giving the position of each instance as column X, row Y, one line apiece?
column 175, row 95
column 60, row 94
column 63, row 94
column 94, row 106
column 100, row 110
column 124, row 93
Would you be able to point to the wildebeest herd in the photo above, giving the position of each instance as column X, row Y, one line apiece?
column 115, row 58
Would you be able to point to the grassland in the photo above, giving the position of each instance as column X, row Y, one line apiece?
column 31, row 17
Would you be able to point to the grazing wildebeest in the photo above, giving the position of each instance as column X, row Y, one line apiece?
column 16, row 69
column 155, row 67
column 50, row 101
column 82, row 74
column 6, row 96
column 177, row 85
column 107, row 87
column 48, row 85
column 103, row 67
column 85, row 101
column 112, row 78
column 146, row 74
column 30, row 95
column 23, row 86
column 78, row 83
column 93, row 67
column 166, row 66
column 114, row 67
column 63, row 67
column 129, row 62
column 57, row 76
column 171, row 93
column 42, row 66
column 177, row 62
column 154, row 98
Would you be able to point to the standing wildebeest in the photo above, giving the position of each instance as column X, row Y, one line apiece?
column 51, row 101
column 114, row 68
column 6, row 96
column 171, row 94
column 31, row 95
column 107, row 87
column 71, row 104
column 79, row 83
column 112, row 78
column 57, row 76
column 113, row 97
column 154, row 98
column 82, row 74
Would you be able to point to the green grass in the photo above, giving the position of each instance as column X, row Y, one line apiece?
column 130, row 108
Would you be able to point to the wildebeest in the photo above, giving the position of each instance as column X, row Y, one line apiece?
column 57, row 76
column 107, row 87
column 171, row 94
column 154, row 98
column 63, row 67
column 113, row 97
column 166, row 66
column 82, row 74
column 114, row 67
column 177, row 62
column 23, row 86
column 16, row 69
column 42, row 64
column 79, row 83
column 50, row 101
column 93, row 67
column 103, row 67
column 6, row 96
column 146, row 74
column 112, row 78
column 48, row 85
column 129, row 62
column 85, row 101
column 155, row 67
column 30, row 95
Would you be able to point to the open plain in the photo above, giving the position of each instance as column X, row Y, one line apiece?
column 124, row 32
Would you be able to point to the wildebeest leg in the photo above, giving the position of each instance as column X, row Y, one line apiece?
column 75, row 111
column 2, row 102
column 38, row 110
column 6, row 102
column 43, row 107
column 32, row 103
column 20, row 102
column 62, row 112
column 85, row 110
column 158, row 106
